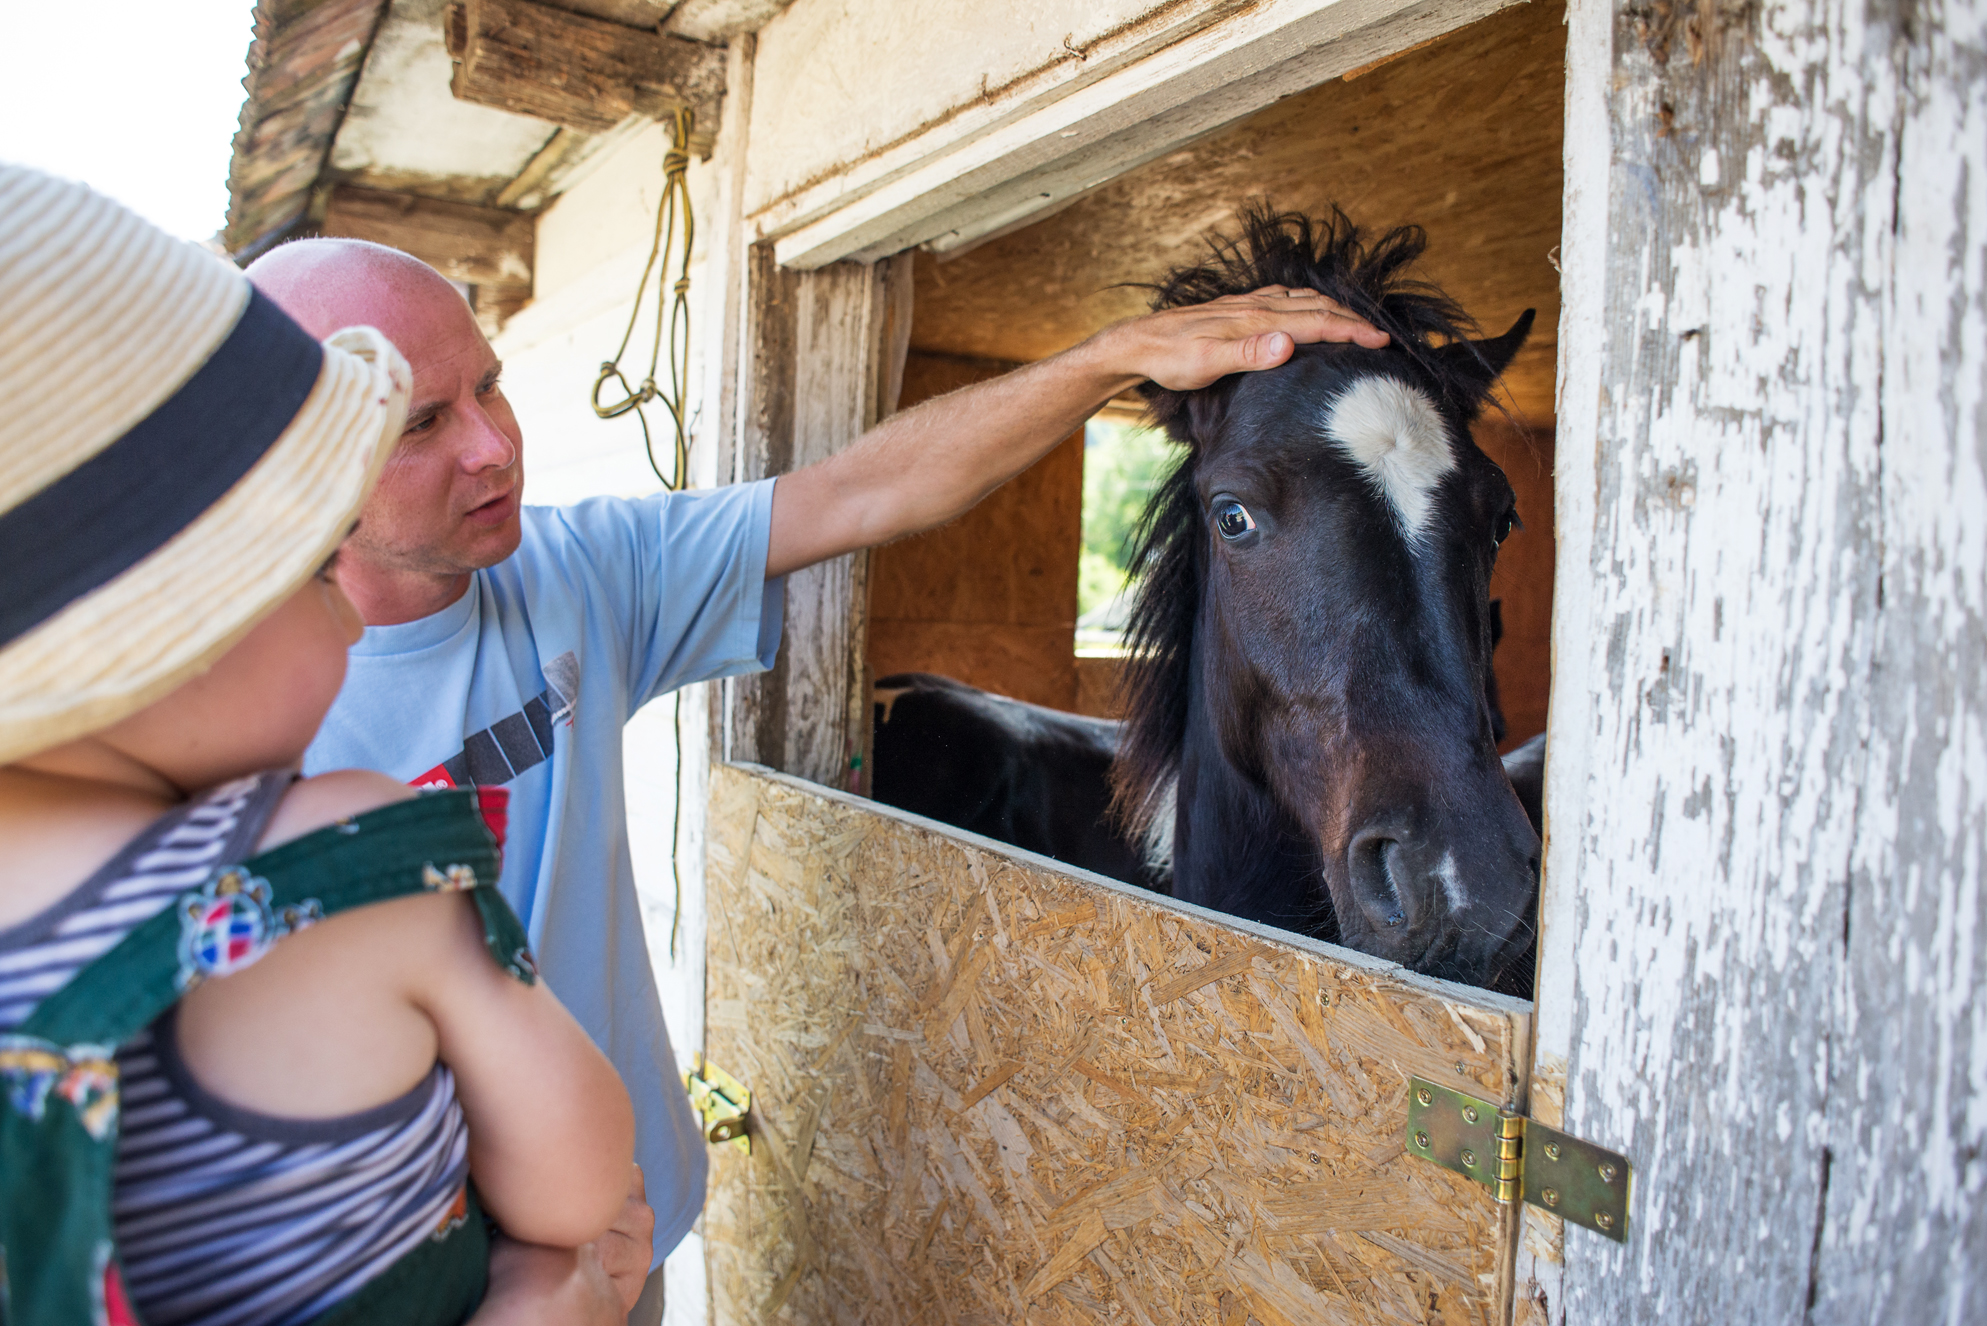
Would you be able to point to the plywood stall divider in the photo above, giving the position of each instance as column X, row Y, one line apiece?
column 991, row 597
column 824, row 349
column 987, row 1089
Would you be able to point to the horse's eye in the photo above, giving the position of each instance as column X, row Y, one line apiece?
column 1506, row 523
column 1233, row 519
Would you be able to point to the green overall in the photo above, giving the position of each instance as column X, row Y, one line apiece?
column 59, row 1091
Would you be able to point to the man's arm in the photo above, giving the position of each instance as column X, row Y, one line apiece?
column 927, row 465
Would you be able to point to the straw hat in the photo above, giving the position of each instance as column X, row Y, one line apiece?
column 176, row 457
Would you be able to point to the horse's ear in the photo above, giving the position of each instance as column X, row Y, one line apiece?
column 1482, row 361
column 1189, row 416
column 1206, row 409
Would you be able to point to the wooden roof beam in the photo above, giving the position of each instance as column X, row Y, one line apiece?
column 489, row 248
column 585, row 73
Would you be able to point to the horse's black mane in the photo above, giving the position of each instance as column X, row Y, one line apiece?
column 1334, row 257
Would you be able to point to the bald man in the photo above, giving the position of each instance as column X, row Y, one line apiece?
column 509, row 644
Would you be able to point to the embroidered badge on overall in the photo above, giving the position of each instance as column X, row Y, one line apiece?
column 454, row 1218
column 34, row 1070
column 229, row 923
column 455, row 879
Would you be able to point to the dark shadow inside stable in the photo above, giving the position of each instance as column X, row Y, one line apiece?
column 1461, row 136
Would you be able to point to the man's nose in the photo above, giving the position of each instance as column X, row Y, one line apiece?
column 488, row 447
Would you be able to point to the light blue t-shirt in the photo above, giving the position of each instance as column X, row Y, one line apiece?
column 526, row 682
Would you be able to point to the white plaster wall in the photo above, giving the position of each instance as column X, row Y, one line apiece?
column 591, row 247
column 840, row 79
column 403, row 118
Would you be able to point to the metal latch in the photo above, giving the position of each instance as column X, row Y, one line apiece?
column 1515, row 1157
column 723, row 1101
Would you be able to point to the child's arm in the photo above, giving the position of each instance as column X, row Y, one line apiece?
column 551, row 1133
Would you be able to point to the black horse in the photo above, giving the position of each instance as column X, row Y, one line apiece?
column 1311, row 639
column 1017, row 772
column 1307, row 692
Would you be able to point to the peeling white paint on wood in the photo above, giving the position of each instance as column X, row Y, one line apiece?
column 1764, row 848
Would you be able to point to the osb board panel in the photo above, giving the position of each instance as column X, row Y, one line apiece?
column 1462, row 137
column 989, row 1091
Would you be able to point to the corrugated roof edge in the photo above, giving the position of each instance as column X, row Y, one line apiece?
column 303, row 65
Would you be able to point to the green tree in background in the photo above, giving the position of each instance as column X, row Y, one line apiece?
column 1122, row 466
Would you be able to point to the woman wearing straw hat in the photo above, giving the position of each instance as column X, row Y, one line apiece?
column 198, row 1123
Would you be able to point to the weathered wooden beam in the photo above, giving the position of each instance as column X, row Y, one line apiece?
column 481, row 246
column 818, row 346
column 571, row 69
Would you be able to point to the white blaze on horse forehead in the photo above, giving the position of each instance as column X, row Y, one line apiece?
column 1395, row 433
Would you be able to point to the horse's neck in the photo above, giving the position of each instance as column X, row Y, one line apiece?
column 1236, row 850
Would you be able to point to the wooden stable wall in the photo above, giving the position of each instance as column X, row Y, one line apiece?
column 988, row 1090
column 1522, row 582
column 991, row 598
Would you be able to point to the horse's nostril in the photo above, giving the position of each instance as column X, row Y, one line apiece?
column 1377, row 878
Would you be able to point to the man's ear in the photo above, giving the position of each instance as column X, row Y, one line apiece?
column 1481, row 362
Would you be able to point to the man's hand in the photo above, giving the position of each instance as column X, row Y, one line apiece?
column 1185, row 349
column 594, row 1285
column 532, row 1285
column 930, row 464
column 625, row 1250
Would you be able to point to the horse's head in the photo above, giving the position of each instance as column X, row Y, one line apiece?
column 1315, row 617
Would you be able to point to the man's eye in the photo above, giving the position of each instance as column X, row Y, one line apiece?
column 421, row 425
column 1232, row 520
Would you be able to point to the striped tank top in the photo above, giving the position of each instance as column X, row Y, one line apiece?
column 224, row 1215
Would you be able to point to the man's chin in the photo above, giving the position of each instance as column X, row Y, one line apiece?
column 487, row 547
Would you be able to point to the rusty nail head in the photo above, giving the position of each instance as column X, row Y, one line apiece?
column 1421, row 1140
column 1462, row 1071
column 1551, row 1196
column 1424, row 1095
column 1316, row 1159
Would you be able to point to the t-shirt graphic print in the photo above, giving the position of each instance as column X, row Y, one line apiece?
column 515, row 742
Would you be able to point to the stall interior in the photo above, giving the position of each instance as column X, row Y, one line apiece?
column 1461, row 136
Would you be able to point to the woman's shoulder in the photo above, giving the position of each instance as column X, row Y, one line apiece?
column 312, row 803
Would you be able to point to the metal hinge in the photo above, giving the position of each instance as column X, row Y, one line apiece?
column 1516, row 1157
column 723, row 1101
